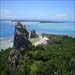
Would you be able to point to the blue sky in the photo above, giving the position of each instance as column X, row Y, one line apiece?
column 45, row 10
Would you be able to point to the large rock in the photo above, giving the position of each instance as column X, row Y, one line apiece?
column 21, row 36
column 21, row 44
column 33, row 34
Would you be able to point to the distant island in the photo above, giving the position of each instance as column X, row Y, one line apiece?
column 38, row 21
column 52, row 22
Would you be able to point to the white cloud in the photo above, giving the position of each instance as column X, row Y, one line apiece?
column 61, row 15
column 8, row 16
column 43, row 15
column 49, row 16
column 5, row 12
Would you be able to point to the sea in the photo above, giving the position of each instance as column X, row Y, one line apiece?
column 7, row 30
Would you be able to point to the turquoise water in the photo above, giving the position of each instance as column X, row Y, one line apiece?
column 66, row 28
column 7, row 31
column 58, row 28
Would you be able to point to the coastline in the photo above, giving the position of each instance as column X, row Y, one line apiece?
column 66, row 34
column 8, row 41
column 42, row 40
column 54, row 23
column 7, row 22
column 27, row 22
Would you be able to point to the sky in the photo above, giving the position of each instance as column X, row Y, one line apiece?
column 37, row 9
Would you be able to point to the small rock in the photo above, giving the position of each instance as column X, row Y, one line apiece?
column 33, row 34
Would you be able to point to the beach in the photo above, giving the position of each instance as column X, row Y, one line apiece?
column 39, row 40
column 6, row 43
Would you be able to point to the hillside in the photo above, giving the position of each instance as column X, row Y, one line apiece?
column 57, row 56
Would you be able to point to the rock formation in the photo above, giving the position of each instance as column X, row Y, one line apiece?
column 43, row 34
column 33, row 34
column 21, row 36
column 21, row 44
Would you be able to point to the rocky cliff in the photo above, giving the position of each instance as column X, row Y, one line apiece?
column 21, row 36
column 21, row 44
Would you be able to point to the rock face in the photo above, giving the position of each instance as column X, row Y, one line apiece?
column 33, row 34
column 21, row 44
column 21, row 36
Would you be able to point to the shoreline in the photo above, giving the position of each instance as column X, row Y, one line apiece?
column 53, row 23
column 42, row 40
column 7, row 22
column 13, row 22
column 8, row 41
column 8, row 37
column 66, row 34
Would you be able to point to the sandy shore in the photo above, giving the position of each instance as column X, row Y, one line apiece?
column 7, row 22
column 40, row 40
column 6, row 43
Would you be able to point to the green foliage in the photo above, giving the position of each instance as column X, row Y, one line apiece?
column 55, row 56
column 4, row 66
column 19, row 23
